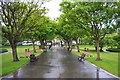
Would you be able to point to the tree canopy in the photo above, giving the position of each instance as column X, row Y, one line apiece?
column 97, row 18
column 16, row 17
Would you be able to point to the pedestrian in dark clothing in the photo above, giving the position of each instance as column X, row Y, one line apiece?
column 50, row 46
column 81, row 58
column 32, row 58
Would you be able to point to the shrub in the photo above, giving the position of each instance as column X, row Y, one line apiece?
column 3, row 50
column 113, row 49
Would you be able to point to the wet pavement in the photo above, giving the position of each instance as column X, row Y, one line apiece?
column 59, row 63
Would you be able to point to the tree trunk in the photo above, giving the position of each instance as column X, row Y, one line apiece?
column 61, row 44
column 77, row 46
column 34, row 47
column 54, row 42
column 42, row 44
column 65, row 44
column 14, row 51
column 39, row 46
column 95, row 48
column 71, row 46
column 101, row 48
column 45, row 44
column 68, row 48
column 118, row 46
column 98, row 51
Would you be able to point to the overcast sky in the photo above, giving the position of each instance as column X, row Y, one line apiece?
column 53, row 7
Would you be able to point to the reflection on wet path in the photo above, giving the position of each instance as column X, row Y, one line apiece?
column 59, row 63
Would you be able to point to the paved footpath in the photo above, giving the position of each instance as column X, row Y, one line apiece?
column 59, row 63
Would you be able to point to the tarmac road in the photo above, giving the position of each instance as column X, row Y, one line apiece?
column 59, row 63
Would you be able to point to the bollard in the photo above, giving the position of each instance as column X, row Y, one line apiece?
column 28, row 50
column 25, row 50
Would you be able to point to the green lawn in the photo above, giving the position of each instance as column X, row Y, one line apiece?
column 8, row 65
column 109, row 59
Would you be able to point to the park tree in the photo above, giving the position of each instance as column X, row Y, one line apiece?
column 117, row 39
column 100, row 17
column 117, row 27
column 62, row 30
column 34, row 21
column 14, row 16
column 45, row 31
column 3, row 40
column 68, row 17
column 109, row 41
column 69, row 31
column 96, row 18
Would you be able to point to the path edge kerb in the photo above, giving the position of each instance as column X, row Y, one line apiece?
column 103, row 70
column 99, row 67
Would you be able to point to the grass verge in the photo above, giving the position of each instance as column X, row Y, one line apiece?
column 109, row 60
column 8, row 65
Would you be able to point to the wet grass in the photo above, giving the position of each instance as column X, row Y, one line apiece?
column 8, row 65
column 109, row 60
